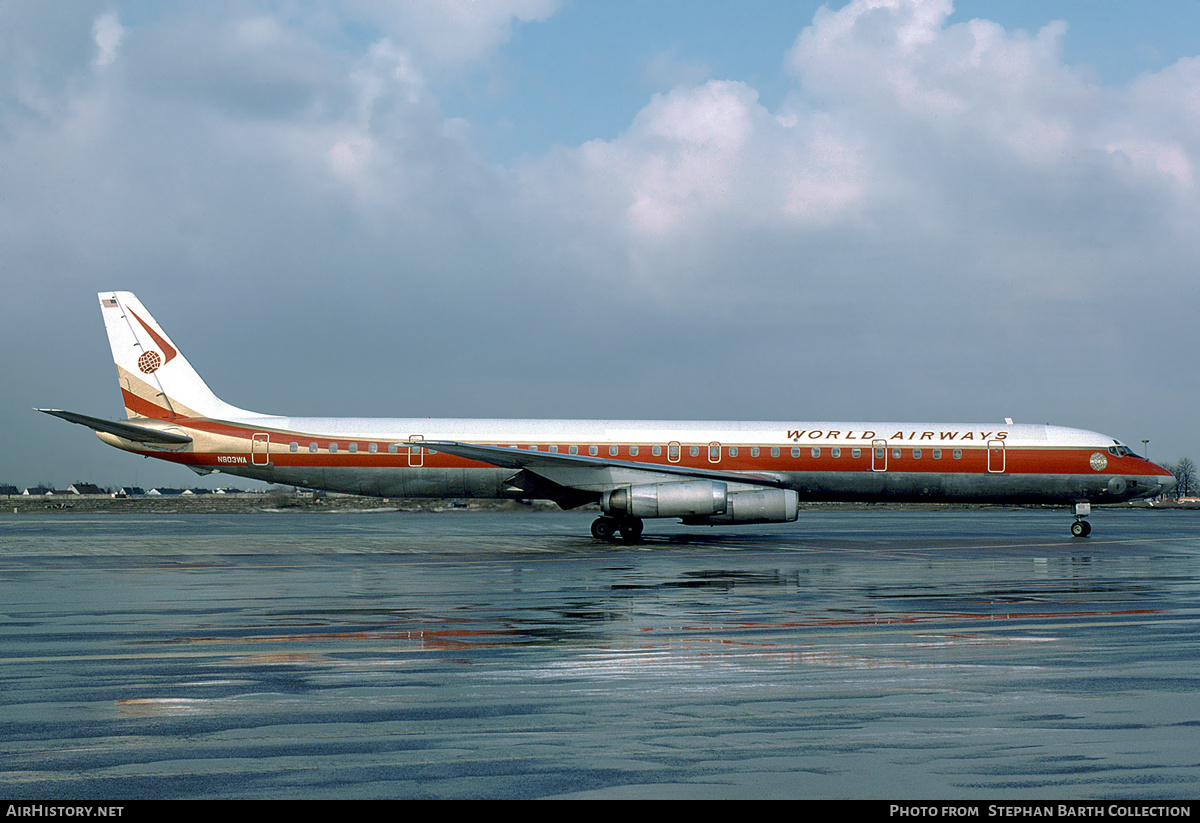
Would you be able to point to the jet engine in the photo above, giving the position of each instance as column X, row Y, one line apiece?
column 701, row 502
column 757, row 506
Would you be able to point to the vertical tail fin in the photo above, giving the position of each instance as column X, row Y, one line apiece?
column 156, row 379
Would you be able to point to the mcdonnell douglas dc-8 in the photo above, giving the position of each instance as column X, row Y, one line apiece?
column 704, row 473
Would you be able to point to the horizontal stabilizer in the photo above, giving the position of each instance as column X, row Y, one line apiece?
column 129, row 431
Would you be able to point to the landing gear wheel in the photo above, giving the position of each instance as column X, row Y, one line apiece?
column 603, row 528
column 631, row 529
column 1081, row 528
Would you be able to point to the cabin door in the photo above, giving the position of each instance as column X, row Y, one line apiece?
column 995, row 455
column 416, row 454
column 260, row 449
column 879, row 455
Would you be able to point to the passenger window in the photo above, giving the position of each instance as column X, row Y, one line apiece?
column 552, row 449
column 333, row 448
column 612, row 451
column 593, row 450
column 695, row 451
column 733, row 451
column 293, row 447
column 656, row 451
column 774, row 451
column 795, row 451
column 856, row 453
column 958, row 454
column 916, row 454
column 573, row 449
column 353, row 448
column 896, row 453
column 373, row 448
column 633, row 450
column 835, row 451
column 312, row 447
column 816, row 452
column 937, row 454
column 754, row 451
column 393, row 448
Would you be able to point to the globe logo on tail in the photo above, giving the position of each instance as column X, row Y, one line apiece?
column 149, row 362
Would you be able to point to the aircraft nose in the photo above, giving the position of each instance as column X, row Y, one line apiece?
column 1166, row 481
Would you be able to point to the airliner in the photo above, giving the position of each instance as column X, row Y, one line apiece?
column 703, row 473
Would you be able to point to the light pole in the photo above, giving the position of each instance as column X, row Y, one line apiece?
column 1146, row 449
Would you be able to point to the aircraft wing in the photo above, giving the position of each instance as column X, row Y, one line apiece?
column 129, row 431
column 580, row 473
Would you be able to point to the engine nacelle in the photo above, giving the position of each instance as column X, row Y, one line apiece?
column 702, row 502
column 758, row 506
column 690, row 498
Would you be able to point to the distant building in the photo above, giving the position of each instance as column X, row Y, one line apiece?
column 85, row 488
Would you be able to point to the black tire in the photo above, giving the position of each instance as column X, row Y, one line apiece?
column 631, row 529
column 603, row 528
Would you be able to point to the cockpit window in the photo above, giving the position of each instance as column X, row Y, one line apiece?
column 1119, row 449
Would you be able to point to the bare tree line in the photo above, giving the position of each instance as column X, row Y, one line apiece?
column 1187, row 482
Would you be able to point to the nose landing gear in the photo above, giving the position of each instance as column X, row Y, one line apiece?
column 1081, row 528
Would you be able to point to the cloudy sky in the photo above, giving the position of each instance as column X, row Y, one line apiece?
column 875, row 210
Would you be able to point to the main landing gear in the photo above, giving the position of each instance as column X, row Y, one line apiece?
column 607, row 528
column 1081, row 528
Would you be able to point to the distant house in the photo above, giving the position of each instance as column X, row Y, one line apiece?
column 85, row 488
column 166, row 492
column 36, row 490
column 129, row 491
column 7, row 489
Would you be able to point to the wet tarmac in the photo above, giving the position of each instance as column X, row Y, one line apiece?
column 879, row 654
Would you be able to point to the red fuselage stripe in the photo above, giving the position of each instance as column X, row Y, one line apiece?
column 974, row 458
